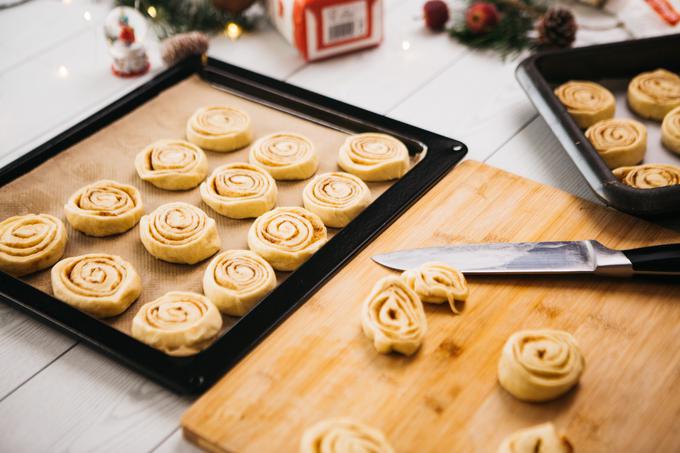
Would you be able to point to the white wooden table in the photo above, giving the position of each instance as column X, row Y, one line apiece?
column 57, row 394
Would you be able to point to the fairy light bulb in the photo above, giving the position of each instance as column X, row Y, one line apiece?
column 233, row 31
column 405, row 45
column 151, row 11
column 87, row 16
column 62, row 72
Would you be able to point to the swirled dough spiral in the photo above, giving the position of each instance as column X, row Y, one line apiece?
column 670, row 130
column 586, row 102
column 540, row 365
column 178, row 323
column 236, row 280
column 393, row 317
column 286, row 237
column 100, row 284
column 104, row 208
column 285, row 155
column 537, row 439
column 31, row 242
column 619, row 142
column 437, row 283
column 649, row 176
column 239, row 191
column 336, row 197
column 172, row 164
column 219, row 128
column 374, row 157
column 179, row 233
column 654, row 94
column 343, row 435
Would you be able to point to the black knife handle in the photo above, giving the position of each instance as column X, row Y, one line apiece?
column 657, row 259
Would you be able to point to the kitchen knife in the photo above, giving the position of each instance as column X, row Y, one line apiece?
column 574, row 257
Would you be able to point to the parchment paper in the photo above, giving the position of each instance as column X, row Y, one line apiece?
column 109, row 154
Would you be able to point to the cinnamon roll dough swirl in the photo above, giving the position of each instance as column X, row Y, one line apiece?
column 178, row 323
column 239, row 191
column 104, row 208
column 540, row 365
column 172, row 164
column 649, row 176
column 179, row 233
column 219, row 128
column 31, row 242
column 437, row 283
column 586, row 102
column 100, row 284
column 654, row 94
column 285, row 155
column 236, row 280
column 619, row 142
column 393, row 317
column 343, row 435
column 286, row 237
column 670, row 130
column 374, row 157
column 537, row 439
column 337, row 198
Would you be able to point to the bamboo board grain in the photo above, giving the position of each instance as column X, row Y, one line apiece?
column 318, row 364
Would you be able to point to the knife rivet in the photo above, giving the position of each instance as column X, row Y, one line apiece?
column 457, row 147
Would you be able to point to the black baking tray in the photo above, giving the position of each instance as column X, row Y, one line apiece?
column 540, row 73
column 194, row 374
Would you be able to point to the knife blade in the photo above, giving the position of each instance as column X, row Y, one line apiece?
column 563, row 257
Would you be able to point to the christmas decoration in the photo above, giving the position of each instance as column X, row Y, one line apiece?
column 181, row 46
column 557, row 28
column 510, row 26
column 436, row 14
column 170, row 17
column 125, row 29
column 481, row 17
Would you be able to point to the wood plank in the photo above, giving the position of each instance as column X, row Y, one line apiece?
column 318, row 363
column 86, row 402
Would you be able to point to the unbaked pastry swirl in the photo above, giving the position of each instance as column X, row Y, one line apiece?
column 619, row 142
column 285, row 155
column 219, row 128
column 540, row 365
column 100, row 284
column 286, row 237
column 670, row 130
column 374, row 157
column 178, row 323
column 537, row 439
column 172, row 164
column 653, row 94
column 239, row 191
column 438, row 282
column 179, row 233
column 236, row 280
column 393, row 317
column 586, row 102
column 649, row 176
column 31, row 242
column 343, row 435
column 336, row 197
column 104, row 208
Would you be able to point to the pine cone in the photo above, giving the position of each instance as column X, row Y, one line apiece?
column 557, row 28
column 183, row 45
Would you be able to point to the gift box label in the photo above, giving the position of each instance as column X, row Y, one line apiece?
column 323, row 28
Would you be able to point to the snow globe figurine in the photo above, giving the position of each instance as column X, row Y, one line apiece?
column 125, row 29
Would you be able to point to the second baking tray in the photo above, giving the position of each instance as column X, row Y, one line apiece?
column 103, row 146
column 612, row 65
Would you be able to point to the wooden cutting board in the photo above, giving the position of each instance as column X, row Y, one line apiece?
column 318, row 364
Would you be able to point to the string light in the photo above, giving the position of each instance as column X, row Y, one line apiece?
column 233, row 31
column 62, row 72
column 87, row 16
column 151, row 11
column 66, row 2
column 405, row 45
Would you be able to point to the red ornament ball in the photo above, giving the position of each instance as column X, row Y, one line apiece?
column 482, row 17
column 436, row 14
